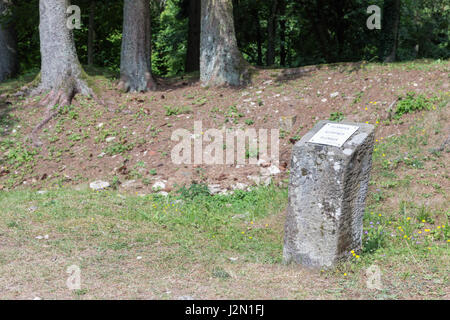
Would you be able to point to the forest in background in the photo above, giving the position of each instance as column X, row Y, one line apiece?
column 276, row 33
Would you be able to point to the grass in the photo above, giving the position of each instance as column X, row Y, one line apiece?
column 405, row 237
column 224, row 246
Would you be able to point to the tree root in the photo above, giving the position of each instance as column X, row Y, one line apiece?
column 55, row 98
column 60, row 98
column 127, row 85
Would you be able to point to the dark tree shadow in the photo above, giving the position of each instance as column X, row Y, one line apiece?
column 301, row 72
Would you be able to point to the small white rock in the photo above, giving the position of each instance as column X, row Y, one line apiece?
column 99, row 185
column 159, row 185
column 334, row 94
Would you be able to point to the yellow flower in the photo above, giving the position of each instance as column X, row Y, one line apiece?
column 345, row 274
column 427, row 230
column 423, row 221
column 420, row 232
column 357, row 257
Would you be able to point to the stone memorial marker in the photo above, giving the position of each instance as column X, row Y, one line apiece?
column 330, row 172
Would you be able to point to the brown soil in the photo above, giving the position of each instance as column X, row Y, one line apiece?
column 274, row 94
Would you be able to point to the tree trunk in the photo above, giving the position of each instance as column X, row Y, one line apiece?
column 135, row 65
column 61, row 72
column 60, row 68
column 391, row 26
column 221, row 62
column 91, row 33
column 320, row 28
column 271, row 23
column 193, row 46
column 259, row 39
column 282, row 33
column 8, row 46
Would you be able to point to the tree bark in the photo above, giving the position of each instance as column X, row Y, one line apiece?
column 61, row 72
column 193, row 45
column 91, row 33
column 320, row 28
column 391, row 26
column 282, row 33
column 60, row 68
column 259, row 38
column 135, row 65
column 271, row 33
column 221, row 62
column 8, row 45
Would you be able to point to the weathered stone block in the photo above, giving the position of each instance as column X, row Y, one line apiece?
column 327, row 193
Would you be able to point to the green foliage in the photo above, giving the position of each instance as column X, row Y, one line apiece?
column 374, row 238
column 336, row 116
column 193, row 191
column 173, row 111
column 118, row 148
column 328, row 33
column 412, row 103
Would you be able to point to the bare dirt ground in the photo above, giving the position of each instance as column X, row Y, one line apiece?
column 76, row 148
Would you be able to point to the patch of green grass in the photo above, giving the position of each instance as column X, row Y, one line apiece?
column 412, row 103
column 336, row 116
column 198, row 225
column 118, row 148
column 173, row 111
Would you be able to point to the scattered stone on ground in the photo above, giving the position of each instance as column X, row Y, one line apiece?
column 99, row 185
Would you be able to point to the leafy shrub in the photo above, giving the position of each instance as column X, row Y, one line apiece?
column 412, row 103
column 336, row 116
column 194, row 190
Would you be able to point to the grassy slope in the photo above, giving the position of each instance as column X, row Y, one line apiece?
column 185, row 246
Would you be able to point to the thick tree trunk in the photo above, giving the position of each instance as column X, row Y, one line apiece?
column 221, row 62
column 60, row 68
column 8, row 46
column 391, row 26
column 61, row 72
column 271, row 33
column 91, row 33
column 135, row 65
column 193, row 45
